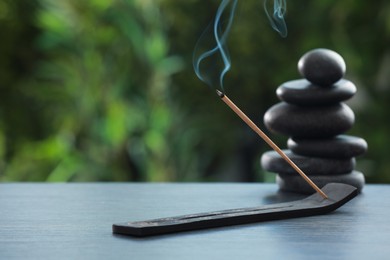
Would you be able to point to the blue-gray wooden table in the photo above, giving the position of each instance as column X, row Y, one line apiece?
column 74, row 221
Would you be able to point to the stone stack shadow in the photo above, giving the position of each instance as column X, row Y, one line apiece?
column 313, row 115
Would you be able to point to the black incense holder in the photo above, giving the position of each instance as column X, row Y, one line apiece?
column 338, row 194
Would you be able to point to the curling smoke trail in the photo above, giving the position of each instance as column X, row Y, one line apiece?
column 220, row 35
column 277, row 18
column 216, row 60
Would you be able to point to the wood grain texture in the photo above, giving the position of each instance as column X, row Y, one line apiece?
column 73, row 221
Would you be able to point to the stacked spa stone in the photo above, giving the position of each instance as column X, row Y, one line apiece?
column 313, row 115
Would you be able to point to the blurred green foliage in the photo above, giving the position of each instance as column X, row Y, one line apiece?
column 104, row 90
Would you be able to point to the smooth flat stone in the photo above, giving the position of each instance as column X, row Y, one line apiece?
column 309, row 122
column 273, row 162
column 322, row 67
column 299, row 185
column 304, row 93
column 342, row 146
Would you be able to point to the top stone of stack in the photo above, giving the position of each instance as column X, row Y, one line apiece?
column 322, row 67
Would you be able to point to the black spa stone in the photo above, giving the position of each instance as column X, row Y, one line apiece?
column 303, row 92
column 273, row 162
column 309, row 122
column 298, row 184
column 322, row 67
column 342, row 146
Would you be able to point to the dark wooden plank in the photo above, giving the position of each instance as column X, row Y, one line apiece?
column 74, row 221
column 338, row 194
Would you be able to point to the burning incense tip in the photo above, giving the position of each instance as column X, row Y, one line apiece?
column 220, row 94
column 254, row 127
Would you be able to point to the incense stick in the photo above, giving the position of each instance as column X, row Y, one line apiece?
column 254, row 127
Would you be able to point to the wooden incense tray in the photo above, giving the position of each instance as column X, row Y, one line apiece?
column 338, row 194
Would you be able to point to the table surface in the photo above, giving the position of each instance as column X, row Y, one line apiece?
column 74, row 221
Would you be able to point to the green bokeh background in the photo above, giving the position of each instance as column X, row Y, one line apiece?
column 104, row 90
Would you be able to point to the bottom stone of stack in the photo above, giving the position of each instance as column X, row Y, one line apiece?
column 295, row 183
